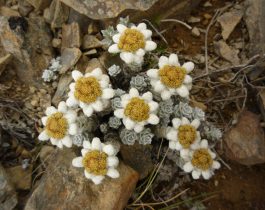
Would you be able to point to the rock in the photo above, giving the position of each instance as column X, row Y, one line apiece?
column 56, row 43
column 8, row 197
column 24, row 7
column 193, row 19
column 90, row 42
column 255, row 21
column 138, row 157
column 227, row 52
column 6, row 11
column 3, row 62
column 94, row 63
column 66, row 188
column 207, row 4
column 229, row 21
column 90, row 52
column 195, row 32
column 45, row 153
column 69, row 58
column 245, row 142
column 82, row 20
column 57, row 14
column 62, row 88
column 71, row 36
column 29, row 42
column 261, row 101
column 39, row 4
column 21, row 178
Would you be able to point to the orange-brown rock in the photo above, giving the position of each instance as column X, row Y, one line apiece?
column 64, row 187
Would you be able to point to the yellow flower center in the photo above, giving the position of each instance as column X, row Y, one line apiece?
column 186, row 135
column 131, row 40
column 202, row 159
column 87, row 89
column 56, row 126
column 95, row 162
column 172, row 76
column 137, row 110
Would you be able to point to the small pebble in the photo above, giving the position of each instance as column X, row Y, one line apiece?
column 195, row 32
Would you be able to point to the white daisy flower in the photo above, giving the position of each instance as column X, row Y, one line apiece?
column 171, row 78
column 201, row 161
column 92, row 91
column 60, row 124
column 98, row 159
column 183, row 136
column 137, row 111
column 132, row 43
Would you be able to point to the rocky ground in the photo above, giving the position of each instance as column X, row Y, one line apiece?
column 225, row 40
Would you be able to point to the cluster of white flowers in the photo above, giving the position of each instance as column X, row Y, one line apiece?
column 150, row 99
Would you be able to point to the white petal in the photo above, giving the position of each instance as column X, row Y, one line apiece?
column 50, row 110
column 67, row 141
column 196, row 174
column 109, row 150
column 113, row 173
column 121, row 28
column 43, row 136
column 188, row 167
column 44, row 120
column 138, row 59
column 60, row 144
column 165, row 95
column 103, row 83
column 140, row 52
column 119, row 113
column 163, row 60
column 184, row 153
column 173, row 60
column 108, row 93
column 114, row 49
column 176, row 122
column 97, row 106
column 204, row 143
column 178, row 146
column 88, row 111
column 71, row 101
column 86, row 144
column 185, row 121
column 150, row 45
column 216, row 165
column 97, row 179
column 62, row 107
column 141, row 26
column 84, row 151
column 73, row 129
column 206, row 174
column 153, row 73
column 97, row 72
column 147, row 33
column 129, row 124
column 187, row 79
column 76, row 75
column 127, row 57
column 96, row 144
column 116, row 38
column 77, row 162
column 183, row 91
column 172, row 135
column 138, row 128
column 88, row 175
column 148, row 96
column 172, row 145
column 72, row 86
column 189, row 66
column 153, row 106
column 153, row 119
column 159, row 87
column 213, row 155
column 71, row 116
column 113, row 161
column 133, row 92
column 54, row 141
column 195, row 123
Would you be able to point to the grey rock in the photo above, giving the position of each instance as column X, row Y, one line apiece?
column 62, row 88
column 4, row 61
column 69, row 58
column 65, row 187
column 29, row 42
column 245, row 142
column 229, row 21
column 8, row 197
column 39, row 4
column 90, row 41
column 24, row 7
column 195, row 32
column 71, row 36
